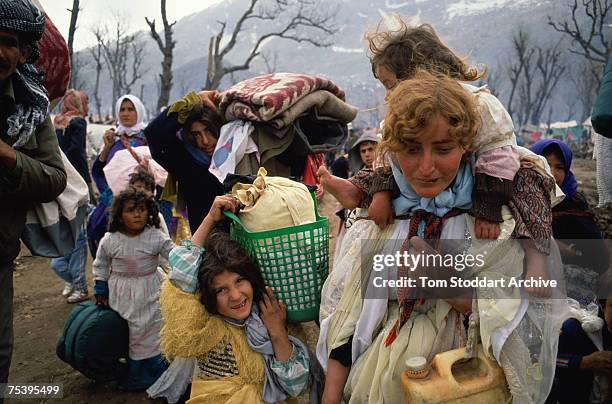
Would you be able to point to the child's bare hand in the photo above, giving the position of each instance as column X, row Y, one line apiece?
column 221, row 203
column 102, row 300
column 486, row 229
column 273, row 314
column 381, row 209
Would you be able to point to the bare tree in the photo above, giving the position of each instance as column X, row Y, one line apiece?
column 549, row 118
column 492, row 81
column 184, row 87
column 550, row 67
column 571, row 102
column 136, row 54
column 270, row 60
column 297, row 20
column 589, row 29
column 74, row 15
column 591, row 37
column 533, row 73
column 516, row 65
column 123, row 56
column 96, row 55
column 166, row 47
column 585, row 79
column 79, row 64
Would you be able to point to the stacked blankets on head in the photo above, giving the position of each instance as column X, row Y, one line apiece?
column 280, row 121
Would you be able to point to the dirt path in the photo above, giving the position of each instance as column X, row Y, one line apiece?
column 40, row 312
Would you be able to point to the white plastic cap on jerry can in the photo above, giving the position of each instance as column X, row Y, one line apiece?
column 416, row 367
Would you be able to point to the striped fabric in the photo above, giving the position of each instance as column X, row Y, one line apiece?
column 185, row 262
column 219, row 362
column 294, row 374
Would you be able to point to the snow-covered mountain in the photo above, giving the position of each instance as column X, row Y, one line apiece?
column 481, row 30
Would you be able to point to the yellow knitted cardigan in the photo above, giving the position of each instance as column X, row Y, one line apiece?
column 190, row 332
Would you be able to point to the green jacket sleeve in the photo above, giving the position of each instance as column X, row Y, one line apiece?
column 601, row 117
column 39, row 175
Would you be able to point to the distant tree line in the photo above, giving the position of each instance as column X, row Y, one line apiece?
column 120, row 55
column 533, row 71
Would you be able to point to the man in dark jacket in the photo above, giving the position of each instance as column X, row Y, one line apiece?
column 31, row 169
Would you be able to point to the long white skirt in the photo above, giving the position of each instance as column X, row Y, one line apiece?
column 136, row 299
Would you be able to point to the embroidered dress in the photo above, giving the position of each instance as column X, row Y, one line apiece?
column 130, row 266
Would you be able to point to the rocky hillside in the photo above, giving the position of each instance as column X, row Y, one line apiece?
column 478, row 29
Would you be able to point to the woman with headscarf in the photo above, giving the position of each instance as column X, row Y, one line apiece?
column 574, row 226
column 130, row 113
column 182, row 139
column 71, row 130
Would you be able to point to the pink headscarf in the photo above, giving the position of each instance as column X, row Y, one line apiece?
column 75, row 104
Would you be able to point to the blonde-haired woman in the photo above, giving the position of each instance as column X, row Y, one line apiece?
column 368, row 331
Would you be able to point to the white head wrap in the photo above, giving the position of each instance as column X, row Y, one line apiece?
column 140, row 116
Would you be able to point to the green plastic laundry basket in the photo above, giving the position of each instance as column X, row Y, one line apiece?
column 294, row 261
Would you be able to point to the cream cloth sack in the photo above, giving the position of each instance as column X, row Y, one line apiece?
column 273, row 203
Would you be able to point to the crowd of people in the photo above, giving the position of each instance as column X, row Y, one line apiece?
column 202, row 322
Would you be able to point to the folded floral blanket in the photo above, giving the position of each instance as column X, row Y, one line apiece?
column 262, row 98
column 326, row 103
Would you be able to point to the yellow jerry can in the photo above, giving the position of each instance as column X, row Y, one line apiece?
column 451, row 379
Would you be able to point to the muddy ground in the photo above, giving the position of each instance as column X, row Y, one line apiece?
column 40, row 312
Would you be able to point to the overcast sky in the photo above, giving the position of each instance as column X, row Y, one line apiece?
column 94, row 12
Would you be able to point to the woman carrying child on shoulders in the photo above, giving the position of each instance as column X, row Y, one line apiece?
column 504, row 173
column 367, row 332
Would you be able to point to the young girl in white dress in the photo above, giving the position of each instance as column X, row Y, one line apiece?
column 128, row 280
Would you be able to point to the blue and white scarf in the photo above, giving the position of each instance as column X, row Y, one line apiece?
column 457, row 195
column 259, row 341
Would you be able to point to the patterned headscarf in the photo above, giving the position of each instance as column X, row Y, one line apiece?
column 31, row 108
column 74, row 105
column 140, row 116
column 24, row 18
